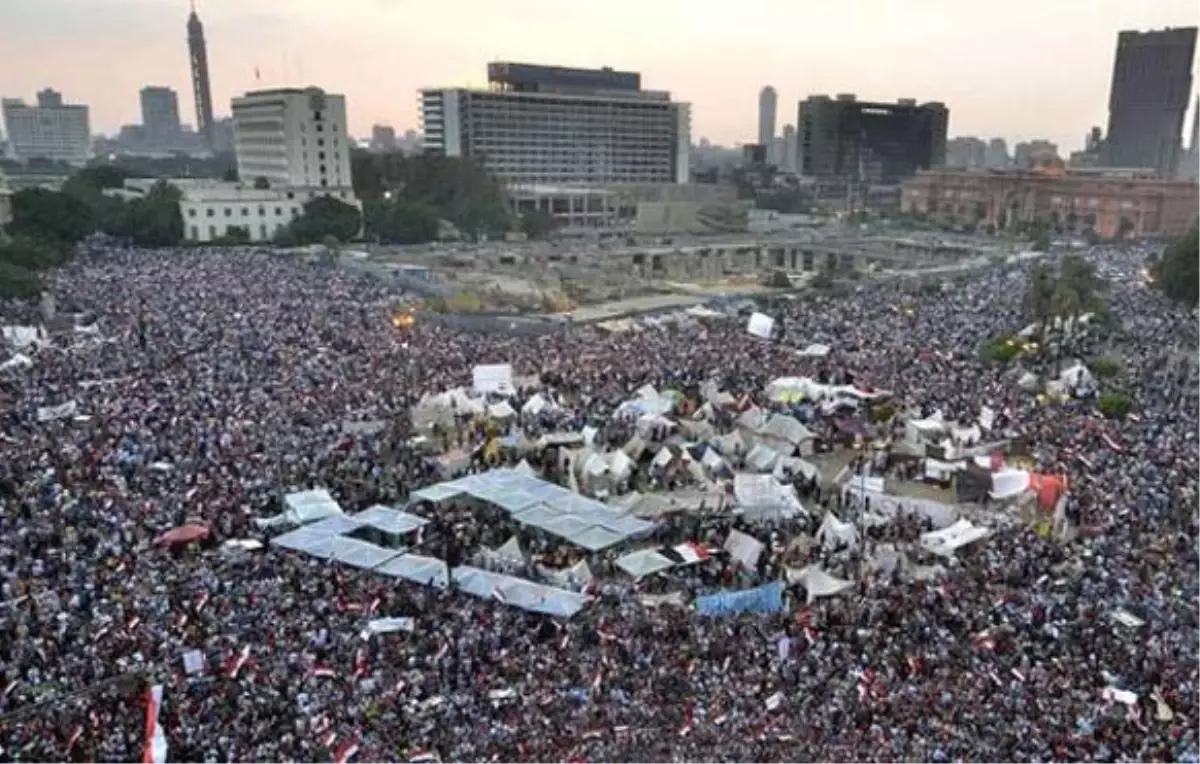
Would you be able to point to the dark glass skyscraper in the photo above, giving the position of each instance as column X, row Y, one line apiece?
column 198, row 53
column 1151, row 88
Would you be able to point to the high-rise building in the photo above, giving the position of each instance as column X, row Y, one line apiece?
column 1026, row 154
column 160, row 116
column 767, row 103
column 201, row 87
column 846, row 138
column 1151, row 87
column 789, row 148
column 557, row 125
column 996, row 157
column 383, row 138
column 292, row 137
column 51, row 130
column 965, row 152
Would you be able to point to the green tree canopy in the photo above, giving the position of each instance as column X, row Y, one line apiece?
column 399, row 221
column 457, row 189
column 1177, row 272
column 538, row 224
column 327, row 216
column 51, row 215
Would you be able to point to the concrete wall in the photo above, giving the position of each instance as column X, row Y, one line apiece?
column 691, row 217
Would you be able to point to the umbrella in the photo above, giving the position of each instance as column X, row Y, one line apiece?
column 184, row 534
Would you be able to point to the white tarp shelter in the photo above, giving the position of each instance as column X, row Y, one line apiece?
column 644, row 562
column 760, row 325
column 817, row 583
column 834, row 532
column 493, row 378
column 946, row 541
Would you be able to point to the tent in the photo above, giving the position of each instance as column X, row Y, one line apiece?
column 834, row 532
column 302, row 508
column 644, row 562
column 817, row 583
column 946, row 541
column 763, row 496
column 518, row 592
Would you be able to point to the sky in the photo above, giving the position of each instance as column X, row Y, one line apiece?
column 1020, row 70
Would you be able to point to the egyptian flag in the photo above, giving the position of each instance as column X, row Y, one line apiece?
column 155, row 751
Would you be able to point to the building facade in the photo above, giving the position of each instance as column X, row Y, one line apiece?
column 767, row 104
column 160, row 116
column 966, row 152
column 561, row 126
column 292, row 138
column 201, row 87
column 50, row 130
column 789, row 149
column 1130, row 203
column 1151, row 88
column 213, row 209
column 383, row 138
column 878, row 143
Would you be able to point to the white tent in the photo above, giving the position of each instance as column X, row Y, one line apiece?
column 760, row 325
column 1078, row 381
column 302, row 508
column 762, row 496
column 834, row 532
column 1008, row 483
column 946, row 541
column 817, row 583
column 644, row 562
column 815, row 350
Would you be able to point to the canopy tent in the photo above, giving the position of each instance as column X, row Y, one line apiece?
column 644, row 562
column 518, row 592
column 946, row 541
column 302, row 508
column 584, row 522
column 817, row 583
column 419, row 569
column 389, row 520
column 763, row 496
column 834, row 532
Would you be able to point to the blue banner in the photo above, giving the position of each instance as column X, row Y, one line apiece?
column 761, row 599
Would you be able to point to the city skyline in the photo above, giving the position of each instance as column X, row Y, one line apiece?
column 1019, row 81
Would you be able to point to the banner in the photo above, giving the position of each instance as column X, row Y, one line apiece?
column 761, row 599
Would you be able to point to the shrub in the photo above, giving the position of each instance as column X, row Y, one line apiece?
column 1000, row 350
column 1104, row 367
column 1114, row 405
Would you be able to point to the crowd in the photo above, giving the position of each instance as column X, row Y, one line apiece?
column 217, row 381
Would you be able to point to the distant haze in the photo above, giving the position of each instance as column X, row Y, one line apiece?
column 1020, row 70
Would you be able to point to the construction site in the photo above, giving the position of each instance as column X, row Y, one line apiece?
column 585, row 277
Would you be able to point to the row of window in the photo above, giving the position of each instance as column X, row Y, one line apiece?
column 262, row 212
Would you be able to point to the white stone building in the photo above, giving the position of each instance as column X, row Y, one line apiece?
column 50, row 130
column 543, row 125
column 292, row 138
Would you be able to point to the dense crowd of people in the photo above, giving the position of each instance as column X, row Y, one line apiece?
column 217, row 381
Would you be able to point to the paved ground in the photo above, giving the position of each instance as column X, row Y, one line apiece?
column 605, row 311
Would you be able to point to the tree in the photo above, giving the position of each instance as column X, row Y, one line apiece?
column 1114, row 405
column 457, row 189
column 50, row 215
column 234, row 236
column 399, row 221
column 538, row 224
column 155, row 220
column 326, row 216
column 17, row 283
column 1177, row 272
column 31, row 254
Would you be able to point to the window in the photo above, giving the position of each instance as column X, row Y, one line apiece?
column 278, row 212
column 320, row 141
column 195, row 232
column 291, row 195
column 191, row 212
column 324, row 183
column 320, row 129
column 262, row 229
column 228, row 212
column 321, row 156
column 295, row 212
column 322, row 168
column 211, row 212
column 212, row 232
column 262, row 212
column 245, row 212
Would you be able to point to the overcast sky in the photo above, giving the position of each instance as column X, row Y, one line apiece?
column 1025, row 69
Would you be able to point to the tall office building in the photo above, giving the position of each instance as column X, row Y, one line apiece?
column 292, row 137
column 789, row 149
column 50, row 130
column 767, row 103
column 1151, row 86
column 557, row 125
column 201, row 88
column 383, row 138
column 160, row 116
column 856, row 140
column 996, row 157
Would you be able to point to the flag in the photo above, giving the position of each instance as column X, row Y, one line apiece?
column 441, row 653
column 804, row 618
column 360, row 663
column 868, row 685
column 691, row 552
column 597, row 680
column 321, row 672
column 345, row 751
column 234, row 665
column 155, row 751
column 914, row 665
column 75, row 734
column 984, row 641
column 424, row 757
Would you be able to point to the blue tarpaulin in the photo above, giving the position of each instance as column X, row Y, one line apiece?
column 761, row 599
